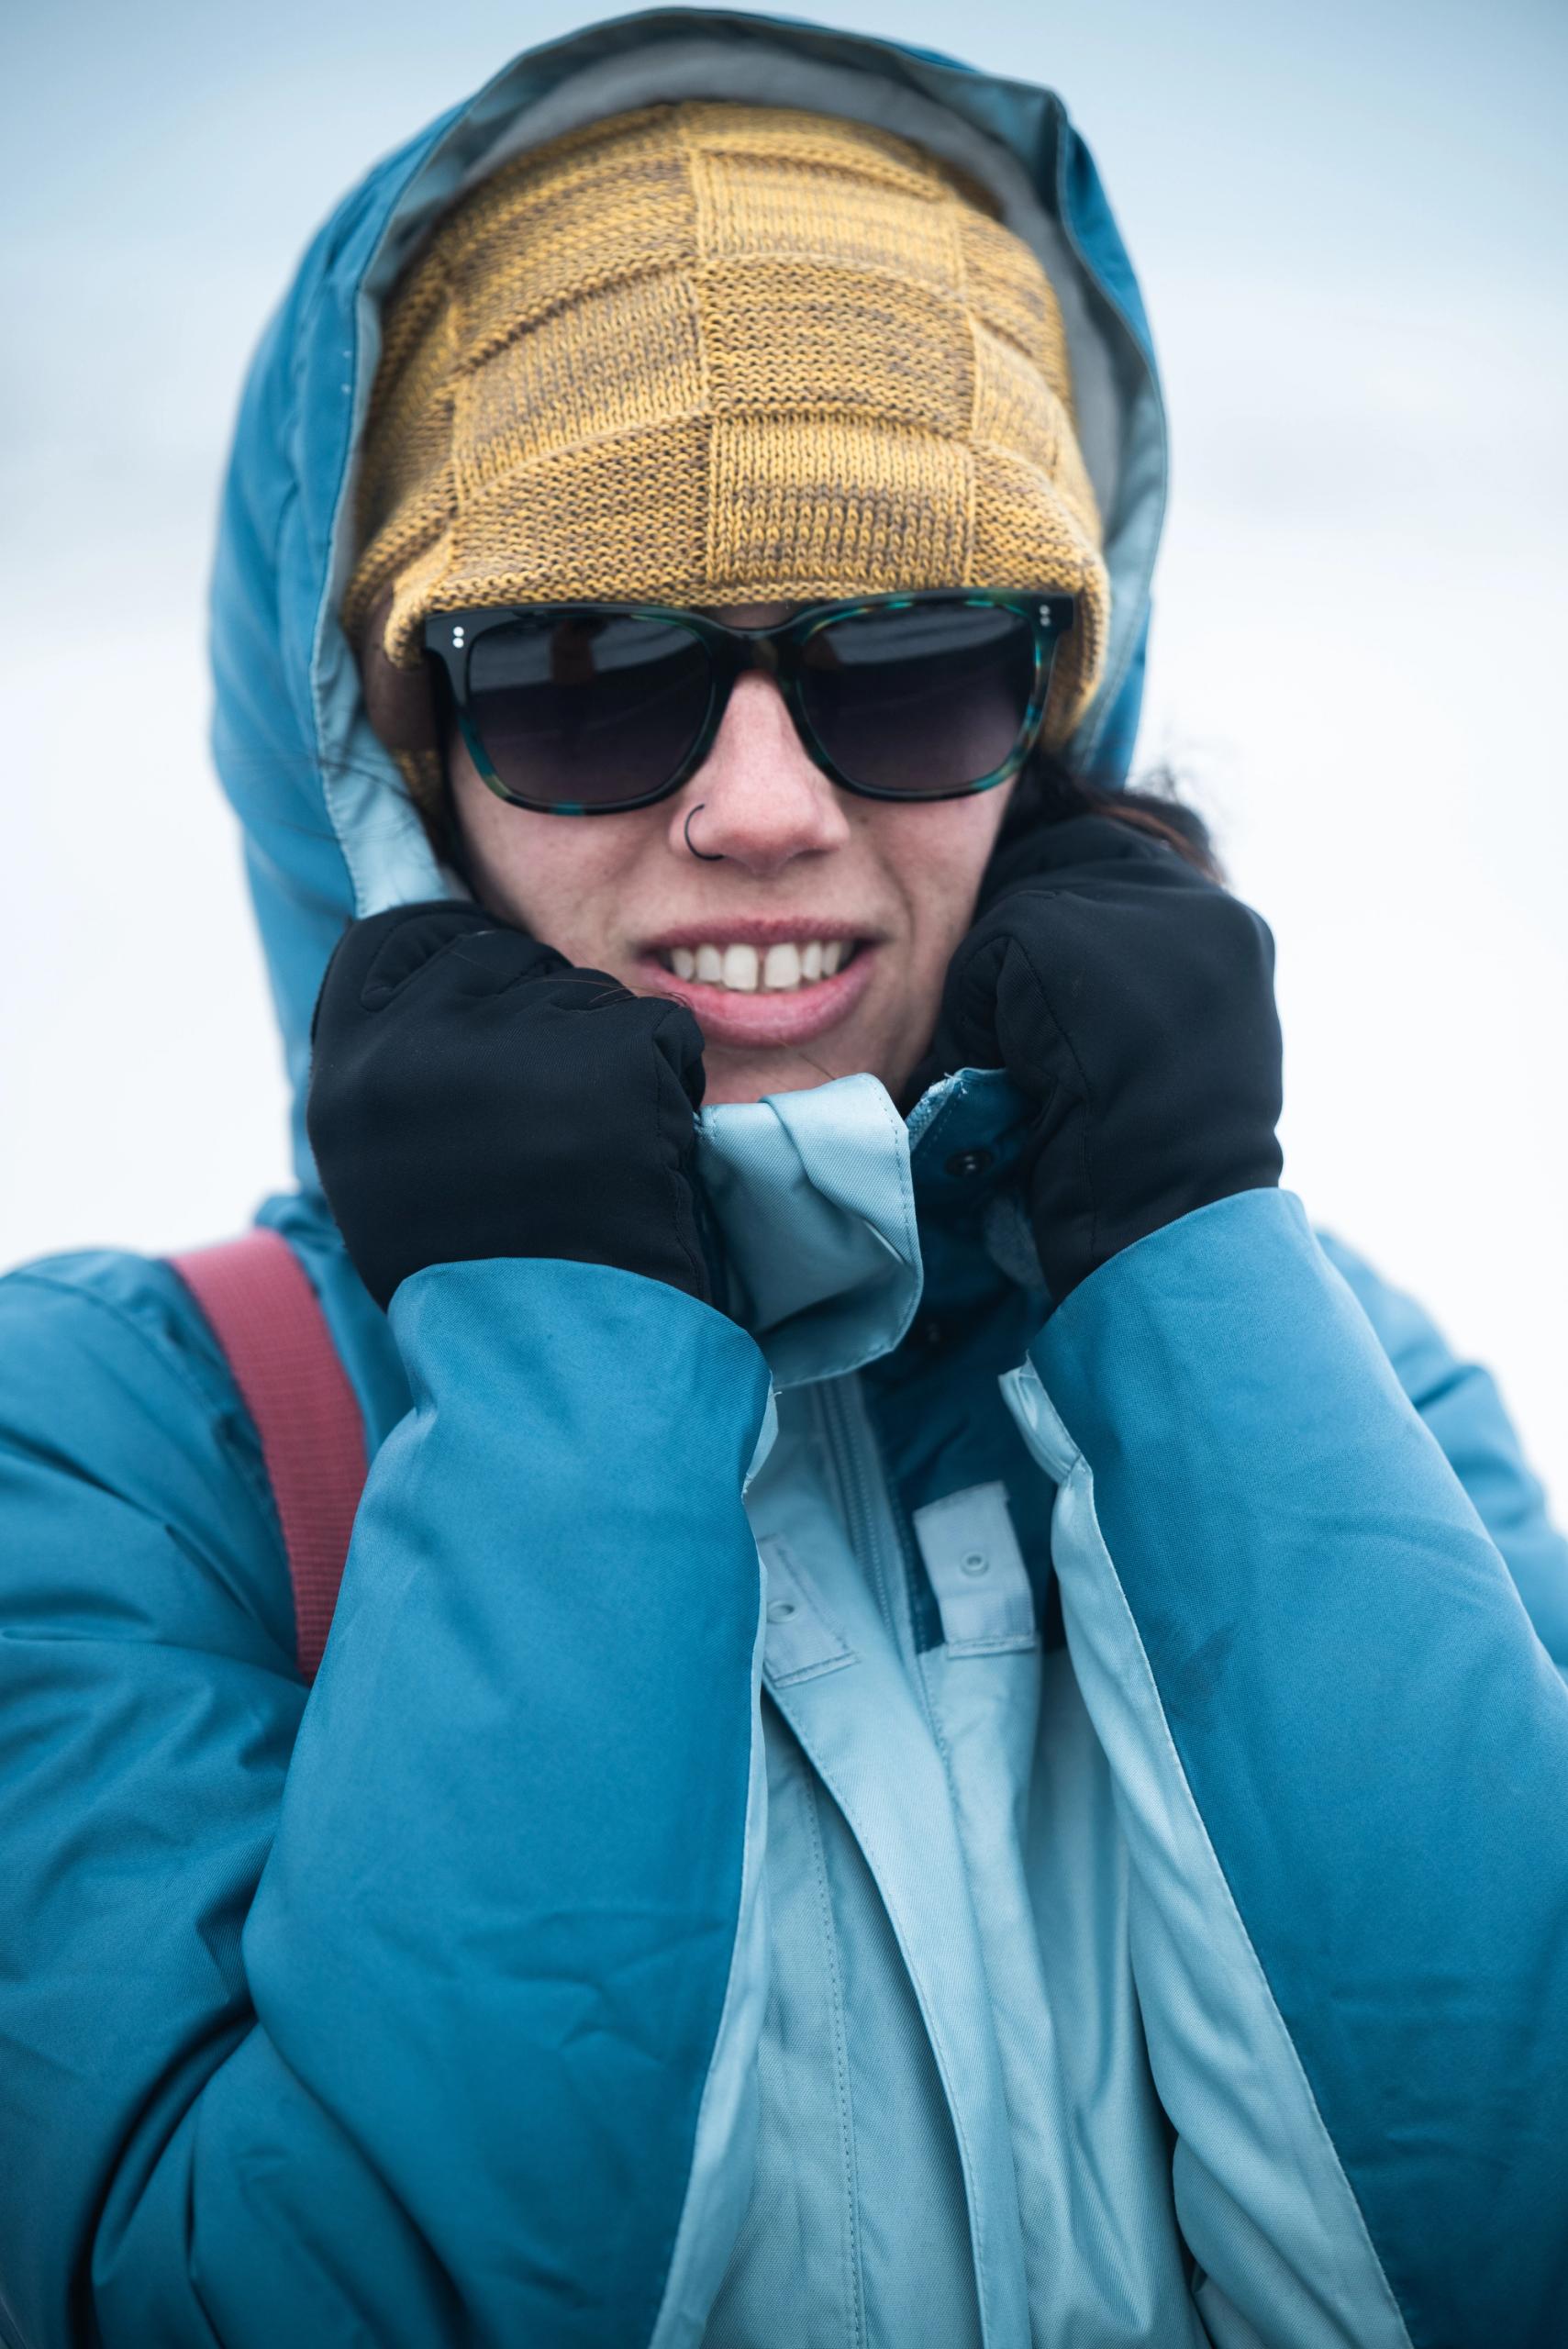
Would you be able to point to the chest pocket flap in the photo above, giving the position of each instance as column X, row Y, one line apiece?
column 801, row 1643
column 977, row 1571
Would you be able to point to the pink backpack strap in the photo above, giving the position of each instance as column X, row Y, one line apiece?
column 265, row 1317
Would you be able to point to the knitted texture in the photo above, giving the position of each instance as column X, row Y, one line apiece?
column 714, row 354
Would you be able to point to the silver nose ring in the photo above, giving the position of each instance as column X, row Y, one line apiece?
column 708, row 856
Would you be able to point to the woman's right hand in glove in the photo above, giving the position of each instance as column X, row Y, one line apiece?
column 473, row 1095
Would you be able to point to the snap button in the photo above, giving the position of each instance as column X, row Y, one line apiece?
column 974, row 1562
column 780, row 1609
column 968, row 1163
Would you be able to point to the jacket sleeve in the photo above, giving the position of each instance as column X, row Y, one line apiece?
column 419, row 2012
column 1340, row 1757
column 1460, row 1404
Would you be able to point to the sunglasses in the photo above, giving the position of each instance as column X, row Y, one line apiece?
column 590, row 709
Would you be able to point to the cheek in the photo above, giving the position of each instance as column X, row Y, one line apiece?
column 937, row 856
column 557, row 877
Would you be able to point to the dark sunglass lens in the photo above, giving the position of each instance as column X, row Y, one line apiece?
column 584, row 709
column 920, row 699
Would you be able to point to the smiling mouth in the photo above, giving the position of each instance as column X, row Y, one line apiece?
column 741, row 968
column 765, row 991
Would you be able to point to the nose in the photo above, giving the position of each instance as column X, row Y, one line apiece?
column 763, row 801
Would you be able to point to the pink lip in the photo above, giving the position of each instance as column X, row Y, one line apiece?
column 727, row 1016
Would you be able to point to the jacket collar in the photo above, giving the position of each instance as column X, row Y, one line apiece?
column 822, row 1196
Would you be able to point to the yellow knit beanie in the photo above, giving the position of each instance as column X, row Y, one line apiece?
column 709, row 353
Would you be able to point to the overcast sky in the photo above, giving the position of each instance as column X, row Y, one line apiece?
column 1349, row 223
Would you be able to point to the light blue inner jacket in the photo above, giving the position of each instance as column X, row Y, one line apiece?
column 881, row 1819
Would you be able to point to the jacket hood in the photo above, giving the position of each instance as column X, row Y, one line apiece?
column 327, row 828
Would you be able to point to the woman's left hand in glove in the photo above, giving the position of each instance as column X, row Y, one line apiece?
column 1130, row 997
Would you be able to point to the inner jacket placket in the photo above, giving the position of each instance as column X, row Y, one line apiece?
column 866, row 1733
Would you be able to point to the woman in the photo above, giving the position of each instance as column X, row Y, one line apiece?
column 921, row 1743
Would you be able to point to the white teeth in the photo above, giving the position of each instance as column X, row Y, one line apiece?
column 779, row 971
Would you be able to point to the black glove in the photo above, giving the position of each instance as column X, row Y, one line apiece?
column 1131, row 999
column 471, row 1094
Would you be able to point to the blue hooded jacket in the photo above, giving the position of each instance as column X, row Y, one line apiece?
column 879, row 1817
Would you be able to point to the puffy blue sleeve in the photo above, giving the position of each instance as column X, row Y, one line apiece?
column 419, row 2009
column 1340, row 1757
column 1459, row 1403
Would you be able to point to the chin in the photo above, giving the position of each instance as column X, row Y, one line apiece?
column 739, row 1076
column 751, row 1076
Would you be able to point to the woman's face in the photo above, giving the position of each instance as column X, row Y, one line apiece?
column 820, row 941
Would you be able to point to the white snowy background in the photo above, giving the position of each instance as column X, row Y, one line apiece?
column 1348, row 224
